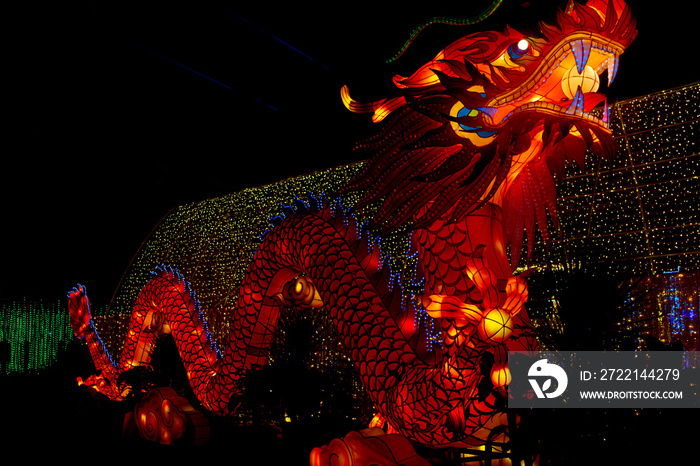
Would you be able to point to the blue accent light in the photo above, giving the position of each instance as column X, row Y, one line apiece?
column 468, row 112
column 490, row 111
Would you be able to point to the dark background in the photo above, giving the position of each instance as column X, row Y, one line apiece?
column 119, row 112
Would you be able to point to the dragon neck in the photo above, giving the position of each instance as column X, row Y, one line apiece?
column 442, row 245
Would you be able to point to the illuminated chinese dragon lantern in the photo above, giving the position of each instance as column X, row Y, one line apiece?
column 464, row 159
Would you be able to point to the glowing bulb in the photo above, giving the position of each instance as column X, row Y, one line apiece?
column 523, row 45
column 496, row 326
column 588, row 80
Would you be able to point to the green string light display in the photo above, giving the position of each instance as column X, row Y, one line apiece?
column 33, row 333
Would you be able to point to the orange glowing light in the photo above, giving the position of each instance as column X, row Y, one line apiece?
column 501, row 377
column 496, row 326
column 587, row 81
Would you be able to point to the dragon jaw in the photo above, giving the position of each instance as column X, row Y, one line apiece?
column 575, row 64
column 563, row 88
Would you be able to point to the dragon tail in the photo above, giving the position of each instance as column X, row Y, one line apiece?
column 165, row 305
column 84, row 328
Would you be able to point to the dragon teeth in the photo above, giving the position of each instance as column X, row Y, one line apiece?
column 582, row 50
column 613, row 63
column 576, row 107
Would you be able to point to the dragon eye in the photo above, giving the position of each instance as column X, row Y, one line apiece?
column 517, row 54
column 519, row 49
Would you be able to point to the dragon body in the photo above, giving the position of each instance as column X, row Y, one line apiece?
column 465, row 157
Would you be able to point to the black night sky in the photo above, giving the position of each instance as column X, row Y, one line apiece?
column 120, row 112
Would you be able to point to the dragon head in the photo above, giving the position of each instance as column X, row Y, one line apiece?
column 490, row 118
